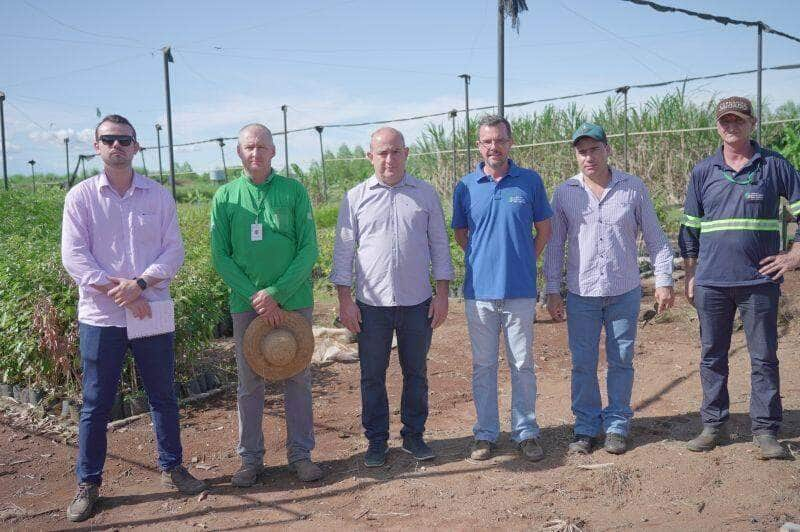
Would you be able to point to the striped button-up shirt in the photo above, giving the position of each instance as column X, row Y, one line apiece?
column 104, row 235
column 600, row 236
column 396, row 237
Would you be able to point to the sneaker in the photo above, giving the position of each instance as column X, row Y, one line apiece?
column 531, row 449
column 80, row 509
column 416, row 447
column 305, row 470
column 708, row 439
column 247, row 475
column 480, row 450
column 615, row 443
column 581, row 444
column 376, row 454
column 180, row 479
column 770, row 448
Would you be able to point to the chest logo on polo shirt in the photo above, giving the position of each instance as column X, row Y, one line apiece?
column 754, row 197
column 516, row 199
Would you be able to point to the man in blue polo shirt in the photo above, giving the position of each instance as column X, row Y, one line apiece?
column 731, row 245
column 495, row 209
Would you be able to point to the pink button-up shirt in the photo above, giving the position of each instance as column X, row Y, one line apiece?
column 104, row 235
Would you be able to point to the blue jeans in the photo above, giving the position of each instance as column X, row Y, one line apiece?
column 758, row 306
column 103, row 351
column 413, row 328
column 586, row 316
column 485, row 320
column 297, row 403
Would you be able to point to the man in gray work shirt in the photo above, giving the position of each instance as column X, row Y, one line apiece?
column 392, row 227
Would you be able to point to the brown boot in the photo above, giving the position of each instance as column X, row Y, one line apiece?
column 770, row 448
column 180, row 479
column 708, row 439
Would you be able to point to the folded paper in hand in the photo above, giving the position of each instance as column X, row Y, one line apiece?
column 161, row 321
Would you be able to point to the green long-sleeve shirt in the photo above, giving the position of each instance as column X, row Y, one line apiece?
column 281, row 261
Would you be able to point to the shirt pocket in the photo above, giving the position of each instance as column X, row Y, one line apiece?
column 282, row 221
column 146, row 227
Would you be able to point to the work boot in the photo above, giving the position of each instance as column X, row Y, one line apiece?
column 183, row 481
column 708, row 439
column 615, row 443
column 769, row 447
column 531, row 449
column 480, row 450
column 581, row 444
column 305, row 470
column 247, row 475
column 80, row 509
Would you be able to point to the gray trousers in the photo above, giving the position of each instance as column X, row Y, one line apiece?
column 250, row 401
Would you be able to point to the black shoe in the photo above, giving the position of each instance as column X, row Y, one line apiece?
column 376, row 454
column 615, row 443
column 416, row 447
column 581, row 444
column 80, row 509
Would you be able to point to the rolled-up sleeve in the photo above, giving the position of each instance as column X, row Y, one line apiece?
column 438, row 241
column 344, row 247
column 76, row 254
column 169, row 261
column 554, row 253
column 656, row 241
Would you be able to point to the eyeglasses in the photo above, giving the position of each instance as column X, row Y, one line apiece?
column 108, row 140
column 492, row 142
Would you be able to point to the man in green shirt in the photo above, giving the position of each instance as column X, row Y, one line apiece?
column 264, row 245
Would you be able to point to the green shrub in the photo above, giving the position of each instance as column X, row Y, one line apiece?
column 326, row 215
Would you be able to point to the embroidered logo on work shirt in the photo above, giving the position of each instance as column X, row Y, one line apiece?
column 516, row 199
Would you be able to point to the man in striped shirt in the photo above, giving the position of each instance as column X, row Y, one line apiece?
column 731, row 246
column 598, row 215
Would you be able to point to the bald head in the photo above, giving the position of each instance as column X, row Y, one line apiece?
column 388, row 154
column 256, row 151
column 258, row 130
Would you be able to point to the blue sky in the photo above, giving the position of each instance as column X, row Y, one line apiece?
column 334, row 61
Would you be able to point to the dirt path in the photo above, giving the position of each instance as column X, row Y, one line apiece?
column 657, row 484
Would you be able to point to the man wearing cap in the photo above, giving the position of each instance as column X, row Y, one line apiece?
column 121, row 244
column 391, row 226
column 495, row 210
column 730, row 241
column 264, row 245
column 598, row 215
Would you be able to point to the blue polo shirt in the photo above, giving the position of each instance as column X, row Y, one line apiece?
column 500, row 256
column 731, row 219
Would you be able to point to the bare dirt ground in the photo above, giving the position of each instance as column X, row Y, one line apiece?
column 657, row 485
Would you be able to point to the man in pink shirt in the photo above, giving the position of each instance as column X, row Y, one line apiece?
column 121, row 244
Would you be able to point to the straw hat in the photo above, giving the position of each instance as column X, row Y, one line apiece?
column 278, row 354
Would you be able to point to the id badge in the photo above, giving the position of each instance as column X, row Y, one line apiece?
column 256, row 232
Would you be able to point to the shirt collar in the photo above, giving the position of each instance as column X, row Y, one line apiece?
column 139, row 181
column 250, row 178
column 408, row 180
column 616, row 176
column 480, row 171
column 719, row 160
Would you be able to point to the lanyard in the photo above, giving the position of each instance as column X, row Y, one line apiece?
column 259, row 205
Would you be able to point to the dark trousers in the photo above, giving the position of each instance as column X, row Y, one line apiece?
column 758, row 307
column 103, row 351
column 413, row 328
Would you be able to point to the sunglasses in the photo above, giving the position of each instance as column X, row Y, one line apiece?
column 108, row 140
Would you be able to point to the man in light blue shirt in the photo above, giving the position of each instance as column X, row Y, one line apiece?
column 495, row 210
column 598, row 215
column 391, row 227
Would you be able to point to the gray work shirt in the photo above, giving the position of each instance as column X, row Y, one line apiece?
column 395, row 237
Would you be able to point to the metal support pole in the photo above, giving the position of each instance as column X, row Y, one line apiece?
column 66, row 148
column 33, row 174
column 624, row 90
column 144, row 165
column 3, row 139
column 501, row 24
column 83, row 166
column 453, row 114
column 758, row 89
column 467, row 77
column 167, row 60
column 284, row 107
column 322, row 163
column 222, row 151
column 158, row 140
